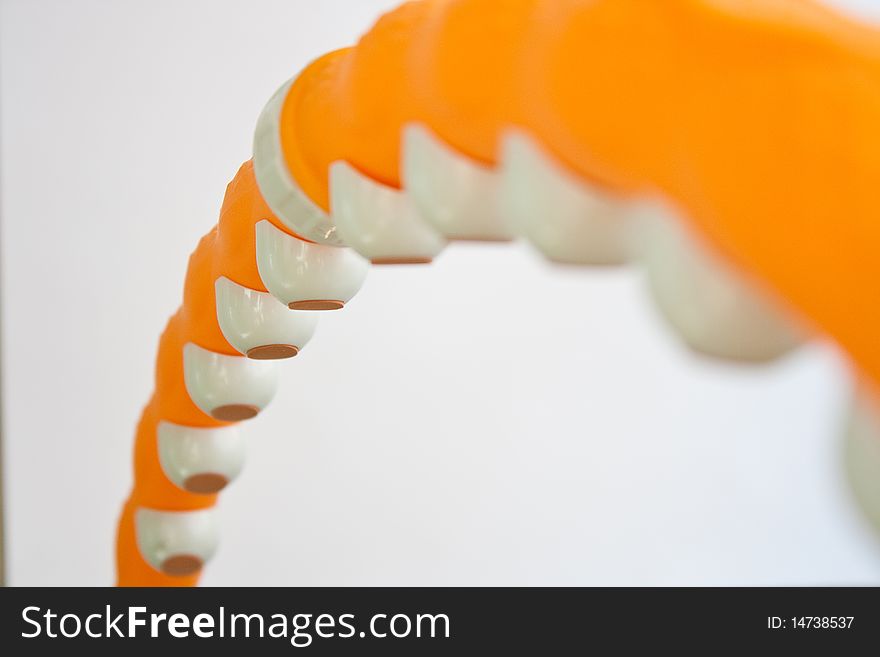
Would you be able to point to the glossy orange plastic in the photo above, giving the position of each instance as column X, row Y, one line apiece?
column 759, row 120
column 228, row 250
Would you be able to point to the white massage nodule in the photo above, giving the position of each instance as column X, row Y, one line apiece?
column 863, row 453
column 454, row 193
column 713, row 309
column 379, row 222
column 278, row 188
column 258, row 325
column 228, row 388
column 563, row 217
column 307, row 276
column 177, row 542
column 200, row 460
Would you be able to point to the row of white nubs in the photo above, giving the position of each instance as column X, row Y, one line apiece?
column 301, row 278
column 263, row 328
column 445, row 196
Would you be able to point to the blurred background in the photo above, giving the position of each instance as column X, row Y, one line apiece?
column 489, row 419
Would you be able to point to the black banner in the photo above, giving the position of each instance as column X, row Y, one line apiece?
column 418, row 621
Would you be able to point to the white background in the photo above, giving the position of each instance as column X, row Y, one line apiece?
column 490, row 419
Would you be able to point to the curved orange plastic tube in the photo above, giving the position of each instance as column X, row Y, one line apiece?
column 759, row 120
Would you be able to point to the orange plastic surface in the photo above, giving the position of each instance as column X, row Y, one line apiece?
column 759, row 120
column 228, row 250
